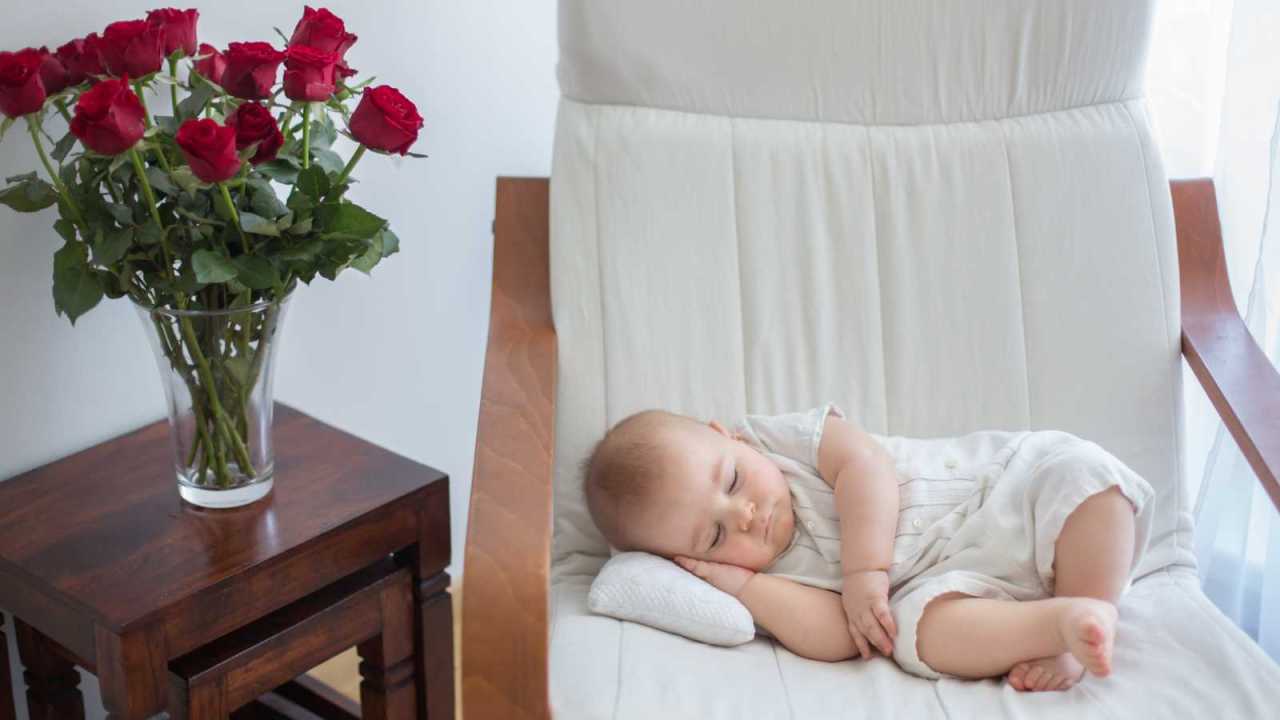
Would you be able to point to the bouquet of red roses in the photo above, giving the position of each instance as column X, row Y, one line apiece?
column 224, row 202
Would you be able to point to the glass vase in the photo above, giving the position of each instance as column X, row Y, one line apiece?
column 216, row 367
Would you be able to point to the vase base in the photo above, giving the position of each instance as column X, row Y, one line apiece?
column 223, row 499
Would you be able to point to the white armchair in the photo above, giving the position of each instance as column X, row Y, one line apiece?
column 944, row 215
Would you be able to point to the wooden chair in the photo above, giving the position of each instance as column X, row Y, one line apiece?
column 504, row 628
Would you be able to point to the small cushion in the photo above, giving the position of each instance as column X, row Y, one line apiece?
column 654, row 591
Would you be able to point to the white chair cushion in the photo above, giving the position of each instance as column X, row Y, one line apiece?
column 1176, row 655
column 652, row 590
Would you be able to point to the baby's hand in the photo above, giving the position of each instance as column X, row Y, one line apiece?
column 865, row 595
column 729, row 578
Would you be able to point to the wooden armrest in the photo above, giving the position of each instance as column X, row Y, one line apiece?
column 1238, row 377
column 505, row 578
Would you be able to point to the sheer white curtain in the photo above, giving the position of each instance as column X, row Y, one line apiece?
column 1214, row 88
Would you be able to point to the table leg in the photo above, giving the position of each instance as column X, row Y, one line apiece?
column 53, row 684
column 388, row 687
column 133, row 672
column 7, row 711
column 435, row 646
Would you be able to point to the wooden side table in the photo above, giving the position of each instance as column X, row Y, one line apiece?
column 103, row 566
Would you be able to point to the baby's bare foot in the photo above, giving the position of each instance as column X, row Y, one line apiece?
column 1049, row 673
column 1088, row 628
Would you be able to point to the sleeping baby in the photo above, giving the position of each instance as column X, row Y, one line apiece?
column 997, row 553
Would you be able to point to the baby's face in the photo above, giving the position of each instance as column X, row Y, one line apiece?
column 719, row 500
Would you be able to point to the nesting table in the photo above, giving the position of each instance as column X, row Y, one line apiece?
column 104, row 567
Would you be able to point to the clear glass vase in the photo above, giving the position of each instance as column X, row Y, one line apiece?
column 216, row 367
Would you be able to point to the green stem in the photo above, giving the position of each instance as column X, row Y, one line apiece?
column 62, row 109
column 306, row 136
column 287, row 118
column 57, row 181
column 235, row 217
column 173, row 89
column 141, row 172
column 146, row 119
column 346, row 171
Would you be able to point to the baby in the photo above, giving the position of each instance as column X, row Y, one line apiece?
column 997, row 553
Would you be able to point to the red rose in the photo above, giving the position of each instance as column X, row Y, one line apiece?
column 130, row 47
column 309, row 73
column 322, row 30
column 210, row 149
column 53, row 73
column 109, row 117
column 386, row 120
column 21, row 89
column 213, row 65
column 251, row 69
column 254, row 123
column 177, row 29
column 72, row 57
column 90, row 60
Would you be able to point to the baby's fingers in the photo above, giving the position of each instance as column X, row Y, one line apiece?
column 886, row 619
column 860, row 642
column 874, row 633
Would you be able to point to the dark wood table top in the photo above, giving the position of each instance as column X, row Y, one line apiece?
column 105, row 532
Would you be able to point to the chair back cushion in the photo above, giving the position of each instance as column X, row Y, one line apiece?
column 944, row 215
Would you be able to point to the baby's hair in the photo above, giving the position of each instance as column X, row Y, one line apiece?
column 619, row 471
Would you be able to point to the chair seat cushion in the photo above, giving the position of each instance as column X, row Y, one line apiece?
column 1176, row 656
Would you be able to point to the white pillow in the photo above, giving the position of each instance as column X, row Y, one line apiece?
column 654, row 591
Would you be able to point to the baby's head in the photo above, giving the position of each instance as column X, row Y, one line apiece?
column 671, row 485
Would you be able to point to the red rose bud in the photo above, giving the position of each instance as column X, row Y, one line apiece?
column 322, row 30
column 251, row 69
column 130, row 47
column 309, row 73
column 210, row 149
column 90, row 56
column 212, row 64
column 71, row 56
column 108, row 117
column 21, row 89
column 177, row 29
column 254, row 123
column 53, row 73
column 386, row 120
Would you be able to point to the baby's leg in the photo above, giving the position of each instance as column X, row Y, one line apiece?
column 1092, row 557
column 978, row 637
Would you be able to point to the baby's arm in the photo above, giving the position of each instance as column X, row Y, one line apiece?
column 862, row 474
column 808, row 621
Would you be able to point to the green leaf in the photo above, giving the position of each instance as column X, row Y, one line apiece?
column 365, row 262
column 280, row 170
column 150, row 233
column 348, row 221
column 314, row 182
column 76, row 289
column 30, row 195
column 258, row 225
column 390, row 243
column 66, row 229
column 239, row 366
column 159, row 180
column 187, row 180
column 263, row 200
column 305, row 252
column 323, row 133
column 5, row 125
column 194, row 103
column 122, row 214
column 167, row 124
column 255, row 272
column 212, row 266
column 327, row 159
column 108, row 248
column 302, row 227
column 63, row 147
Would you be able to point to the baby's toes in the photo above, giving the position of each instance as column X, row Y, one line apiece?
column 1017, row 677
column 1033, row 677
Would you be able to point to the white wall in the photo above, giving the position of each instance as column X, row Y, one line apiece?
column 395, row 358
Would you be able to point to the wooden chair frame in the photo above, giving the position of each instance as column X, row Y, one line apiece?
column 504, row 606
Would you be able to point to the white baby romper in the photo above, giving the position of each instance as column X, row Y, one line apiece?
column 978, row 513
